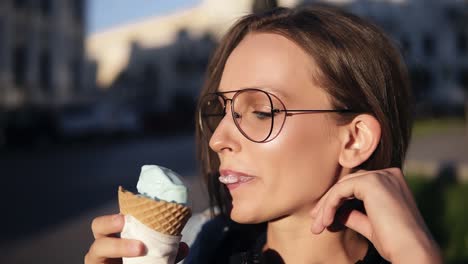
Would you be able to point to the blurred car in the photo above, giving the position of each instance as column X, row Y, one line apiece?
column 95, row 120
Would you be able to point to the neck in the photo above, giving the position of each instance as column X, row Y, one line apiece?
column 290, row 239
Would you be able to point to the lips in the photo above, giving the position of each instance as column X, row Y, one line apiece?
column 233, row 177
column 230, row 179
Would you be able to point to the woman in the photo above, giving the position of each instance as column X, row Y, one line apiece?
column 304, row 123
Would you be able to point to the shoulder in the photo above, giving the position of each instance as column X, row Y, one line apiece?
column 195, row 224
column 204, row 234
column 216, row 239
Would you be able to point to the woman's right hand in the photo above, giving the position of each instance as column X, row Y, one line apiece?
column 107, row 247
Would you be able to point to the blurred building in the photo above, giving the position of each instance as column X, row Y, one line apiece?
column 433, row 37
column 43, row 68
column 159, row 63
column 42, row 60
column 159, row 79
column 146, row 59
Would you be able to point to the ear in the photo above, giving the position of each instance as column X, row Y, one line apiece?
column 359, row 139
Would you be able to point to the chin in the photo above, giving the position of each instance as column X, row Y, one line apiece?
column 246, row 215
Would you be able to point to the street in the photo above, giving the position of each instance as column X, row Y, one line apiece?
column 44, row 187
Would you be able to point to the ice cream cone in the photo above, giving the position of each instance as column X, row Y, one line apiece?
column 161, row 216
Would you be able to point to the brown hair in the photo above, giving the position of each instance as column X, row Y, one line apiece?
column 359, row 68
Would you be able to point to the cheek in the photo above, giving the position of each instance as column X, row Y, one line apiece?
column 307, row 160
column 296, row 168
column 307, row 148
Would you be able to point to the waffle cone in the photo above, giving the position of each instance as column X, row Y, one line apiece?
column 161, row 216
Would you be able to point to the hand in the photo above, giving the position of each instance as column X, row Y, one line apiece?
column 391, row 222
column 107, row 248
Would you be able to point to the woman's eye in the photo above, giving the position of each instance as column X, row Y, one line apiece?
column 263, row 115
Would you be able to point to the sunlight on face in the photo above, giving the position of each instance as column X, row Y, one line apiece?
column 287, row 175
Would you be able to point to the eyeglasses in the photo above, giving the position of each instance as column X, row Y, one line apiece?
column 258, row 115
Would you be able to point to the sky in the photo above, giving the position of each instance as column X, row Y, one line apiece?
column 105, row 14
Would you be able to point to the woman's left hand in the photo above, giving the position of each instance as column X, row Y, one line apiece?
column 391, row 222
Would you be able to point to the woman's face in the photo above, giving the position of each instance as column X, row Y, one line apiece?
column 288, row 174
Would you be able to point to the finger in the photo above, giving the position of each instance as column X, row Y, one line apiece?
column 317, row 213
column 319, row 223
column 336, row 196
column 317, row 226
column 338, row 193
column 318, row 206
column 324, row 214
column 182, row 252
column 359, row 222
column 354, row 175
column 106, row 225
column 109, row 247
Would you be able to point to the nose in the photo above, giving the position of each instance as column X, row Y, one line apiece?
column 226, row 136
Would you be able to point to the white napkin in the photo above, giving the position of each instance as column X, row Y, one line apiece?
column 161, row 248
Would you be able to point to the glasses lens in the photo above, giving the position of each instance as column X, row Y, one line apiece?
column 254, row 115
column 211, row 113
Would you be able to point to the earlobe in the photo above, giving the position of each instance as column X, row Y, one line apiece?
column 359, row 139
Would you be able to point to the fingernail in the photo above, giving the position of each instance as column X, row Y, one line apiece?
column 136, row 248
column 316, row 227
column 117, row 219
column 313, row 228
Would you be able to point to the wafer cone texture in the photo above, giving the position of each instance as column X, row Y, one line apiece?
column 161, row 216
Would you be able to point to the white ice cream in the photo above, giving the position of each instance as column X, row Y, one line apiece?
column 161, row 183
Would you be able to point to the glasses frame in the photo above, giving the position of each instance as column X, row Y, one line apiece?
column 288, row 112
